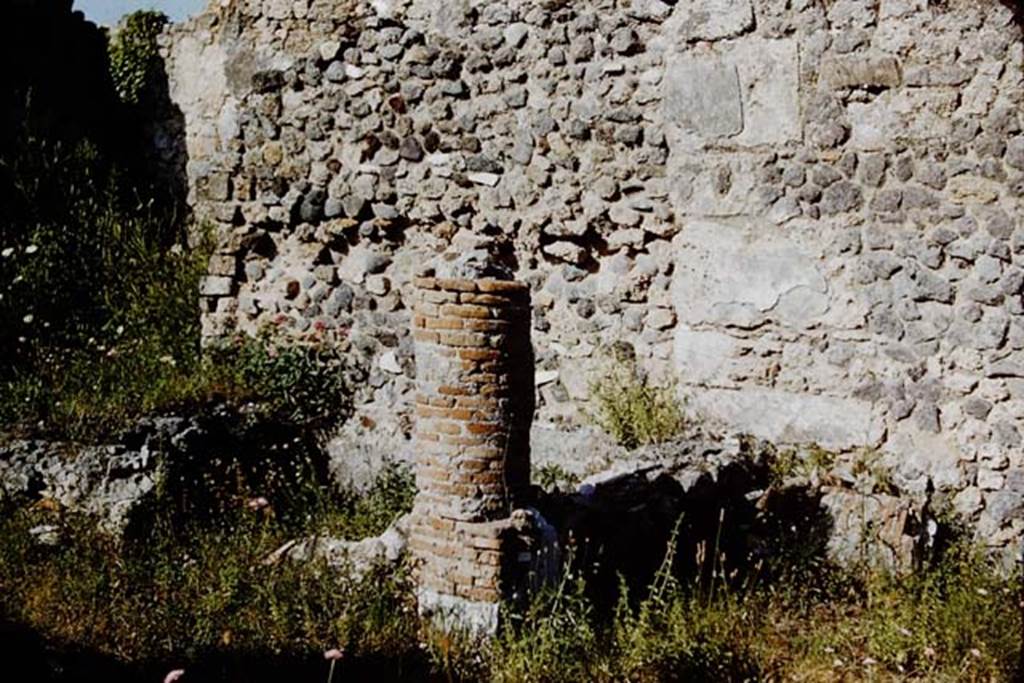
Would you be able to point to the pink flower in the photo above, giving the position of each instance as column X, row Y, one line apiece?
column 334, row 654
column 174, row 676
column 257, row 503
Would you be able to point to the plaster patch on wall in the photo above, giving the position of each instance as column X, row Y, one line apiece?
column 746, row 90
column 734, row 276
column 702, row 356
column 832, row 422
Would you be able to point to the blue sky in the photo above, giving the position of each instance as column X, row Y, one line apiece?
column 109, row 11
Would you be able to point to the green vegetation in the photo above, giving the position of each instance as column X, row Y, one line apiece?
column 553, row 477
column 631, row 410
column 956, row 621
column 208, row 592
column 135, row 61
column 804, row 462
column 99, row 311
column 190, row 591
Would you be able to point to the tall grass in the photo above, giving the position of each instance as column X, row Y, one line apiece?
column 185, row 595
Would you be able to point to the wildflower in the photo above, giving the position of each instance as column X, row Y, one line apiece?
column 174, row 676
column 975, row 652
column 6, row 253
column 333, row 655
column 981, row 591
column 28, row 319
column 120, row 329
column 868, row 661
column 257, row 503
column 31, row 249
column 929, row 652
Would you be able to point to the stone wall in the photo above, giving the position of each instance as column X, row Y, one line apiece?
column 805, row 213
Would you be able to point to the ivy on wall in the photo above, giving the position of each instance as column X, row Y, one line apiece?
column 135, row 54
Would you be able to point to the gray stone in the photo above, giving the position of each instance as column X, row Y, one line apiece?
column 624, row 40
column 841, row 197
column 335, row 72
column 411, row 149
column 214, row 285
column 650, row 10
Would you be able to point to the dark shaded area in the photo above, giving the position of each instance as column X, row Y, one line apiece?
column 74, row 161
column 58, row 88
column 57, row 82
column 621, row 530
column 223, row 456
column 30, row 658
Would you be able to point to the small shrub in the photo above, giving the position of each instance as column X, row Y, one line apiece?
column 555, row 640
column 302, row 384
column 804, row 462
column 553, row 477
column 633, row 412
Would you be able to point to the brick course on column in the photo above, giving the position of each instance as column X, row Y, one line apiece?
column 474, row 405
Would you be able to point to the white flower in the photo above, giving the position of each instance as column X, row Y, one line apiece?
column 28, row 319
column 6, row 253
column 31, row 249
column 120, row 329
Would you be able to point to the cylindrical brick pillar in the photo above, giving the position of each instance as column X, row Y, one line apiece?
column 474, row 405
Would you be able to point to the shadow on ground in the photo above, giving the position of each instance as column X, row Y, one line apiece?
column 30, row 658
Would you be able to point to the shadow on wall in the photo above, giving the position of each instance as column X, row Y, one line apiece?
column 620, row 529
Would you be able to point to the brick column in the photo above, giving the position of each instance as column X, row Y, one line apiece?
column 474, row 405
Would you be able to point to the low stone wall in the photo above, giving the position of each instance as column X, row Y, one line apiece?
column 803, row 213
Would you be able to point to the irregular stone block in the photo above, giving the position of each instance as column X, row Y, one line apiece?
column 702, row 356
column 712, row 19
column 877, row 529
column 769, row 74
column 214, row 285
column 861, row 72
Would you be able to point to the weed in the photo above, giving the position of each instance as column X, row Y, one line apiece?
column 631, row 410
column 553, row 477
